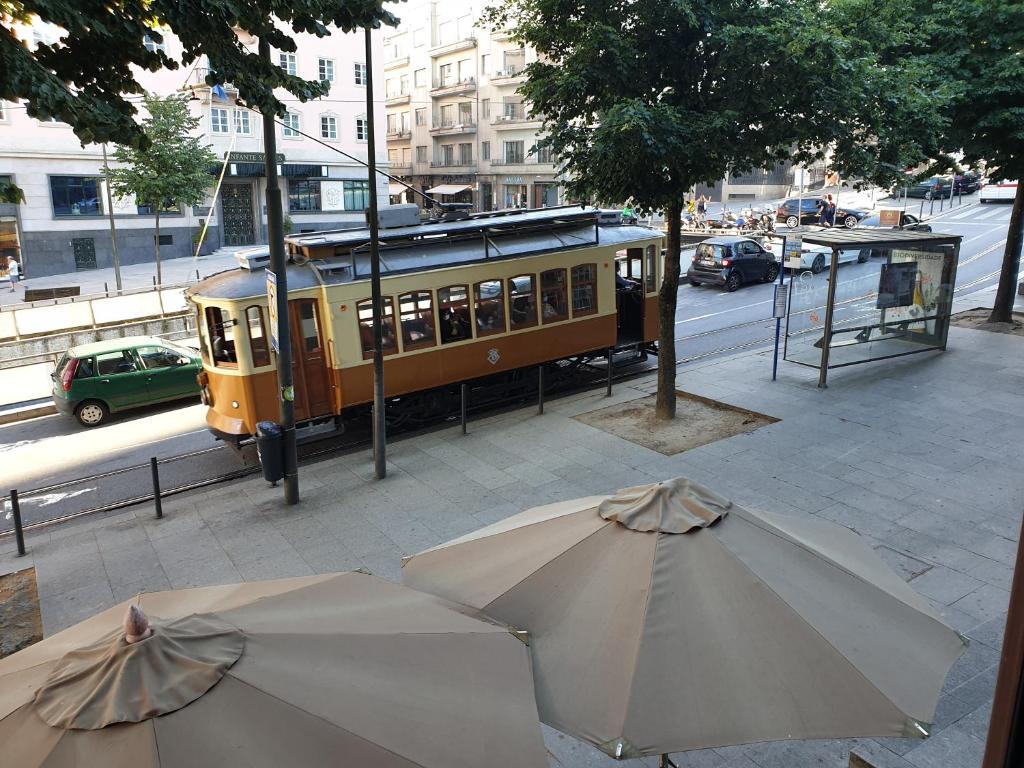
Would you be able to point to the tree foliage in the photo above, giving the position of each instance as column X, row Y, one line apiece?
column 172, row 167
column 86, row 78
column 644, row 99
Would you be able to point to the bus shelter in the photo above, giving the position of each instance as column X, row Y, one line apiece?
column 887, row 293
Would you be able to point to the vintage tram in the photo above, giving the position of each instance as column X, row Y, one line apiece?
column 461, row 300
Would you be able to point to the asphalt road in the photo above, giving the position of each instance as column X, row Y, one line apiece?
column 53, row 449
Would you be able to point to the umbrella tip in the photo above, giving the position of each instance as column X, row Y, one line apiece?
column 136, row 625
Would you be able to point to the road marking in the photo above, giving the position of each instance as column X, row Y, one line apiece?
column 990, row 214
column 724, row 311
column 959, row 215
column 986, row 252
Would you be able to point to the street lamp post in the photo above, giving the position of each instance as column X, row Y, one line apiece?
column 275, row 236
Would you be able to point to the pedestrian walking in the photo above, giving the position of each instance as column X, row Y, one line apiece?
column 823, row 212
column 831, row 211
column 13, row 272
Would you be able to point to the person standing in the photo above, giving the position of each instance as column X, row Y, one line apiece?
column 831, row 211
column 14, row 272
column 823, row 212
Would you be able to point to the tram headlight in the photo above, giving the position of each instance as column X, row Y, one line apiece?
column 234, row 403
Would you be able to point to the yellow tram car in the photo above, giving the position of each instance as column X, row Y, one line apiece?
column 461, row 300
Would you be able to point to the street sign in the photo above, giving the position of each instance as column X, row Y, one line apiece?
column 889, row 217
column 272, row 310
column 781, row 300
column 794, row 248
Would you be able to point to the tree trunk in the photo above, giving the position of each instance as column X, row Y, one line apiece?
column 159, row 280
column 665, row 407
column 1002, row 309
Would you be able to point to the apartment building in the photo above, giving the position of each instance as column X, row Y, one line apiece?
column 456, row 128
column 63, row 224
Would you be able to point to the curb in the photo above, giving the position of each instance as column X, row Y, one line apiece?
column 28, row 410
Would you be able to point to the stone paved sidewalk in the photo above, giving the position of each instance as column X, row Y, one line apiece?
column 922, row 455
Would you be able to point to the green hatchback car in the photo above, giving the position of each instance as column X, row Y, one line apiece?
column 94, row 380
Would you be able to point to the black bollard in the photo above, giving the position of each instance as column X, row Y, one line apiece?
column 462, row 415
column 608, row 358
column 540, row 389
column 156, row 487
column 19, row 533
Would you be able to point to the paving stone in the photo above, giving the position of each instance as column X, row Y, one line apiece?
column 979, row 689
column 944, row 585
column 985, row 602
column 976, row 659
column 989, row 632
column 947, row 748
column 906, row 566
column 279, row 566
column 62, row 610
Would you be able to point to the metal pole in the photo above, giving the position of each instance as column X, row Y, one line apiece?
column 778, row 320
column 540, row 389
column 155, row 471
column 275, row 235
column 462, row 415
column 19, row 534
column 379, row 435
column 608, row 358
column 113, row 231
column 829, row 307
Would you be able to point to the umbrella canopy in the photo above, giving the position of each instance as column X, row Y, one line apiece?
column 341, row 669
column 666, row 618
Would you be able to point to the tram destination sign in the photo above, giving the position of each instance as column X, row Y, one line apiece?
column 250, row 157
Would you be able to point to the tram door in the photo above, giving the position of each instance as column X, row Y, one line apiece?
column 309, row 361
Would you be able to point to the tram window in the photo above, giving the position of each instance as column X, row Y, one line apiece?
column 364, row 311
column 651, row 277
column 257, row 339
column 416, row 315
column 204, row 336
column 309, row 327
column 453, row 306
column 553, row 295
column 490, row 307
column 222, row 337
column 584, row 290
column 522, row 301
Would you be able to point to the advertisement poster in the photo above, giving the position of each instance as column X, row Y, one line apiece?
column 914, row 306
column 792, row 257
column 272, row 309
column 896, row 284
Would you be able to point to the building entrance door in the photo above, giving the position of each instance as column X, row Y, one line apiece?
column 310, row 372
column 236, row 210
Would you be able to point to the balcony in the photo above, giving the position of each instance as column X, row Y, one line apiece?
column 401, row 61
column 465, row 167
column 399, row 134
column 197, row 84
column 530, row 164
column 459, row 45
column 453, row 127
column 401, row 169
column 453, row 87
column 501, row 35
column 396, row 99
column 515, row 118
column 509, row 76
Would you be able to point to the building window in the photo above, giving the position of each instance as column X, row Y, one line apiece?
column 364, row 312
column 219, row 120
column 392, row 123
column 584, row 290
column 651, row 267
column 405, row 123
column 485, row 150
column 453, row 304
column 485, row 63
column 222, row 338
column 545, row 155
column 553, row 296
column 465, row 154
column 421, row 116
column 421, row 154
column 288, row 63
column 76, row 196
column 257, row 338
column 490, row 307
column 514, row 152
column 242, row 125
column 416, row 317
column 420, row 78
column 448, row 154
column 360, row 74
column 362, row 129
column 328, row 127
column 303, row 195
column 444, row 75
column 356, row 195
column 485, row 109
column 522, row 302
column 325, row 70
column 152, row 45
column 291, row 125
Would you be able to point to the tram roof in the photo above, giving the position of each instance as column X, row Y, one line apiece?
column 423, row 255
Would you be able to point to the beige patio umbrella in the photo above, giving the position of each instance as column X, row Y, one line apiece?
column 666, row 618
column 342, row 669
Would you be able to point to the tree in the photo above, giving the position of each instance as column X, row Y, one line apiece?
column 171, row 168
column 979, row 45
column 86, row 78
column 647, row 98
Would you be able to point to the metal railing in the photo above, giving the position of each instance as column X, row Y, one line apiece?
column 453, row 82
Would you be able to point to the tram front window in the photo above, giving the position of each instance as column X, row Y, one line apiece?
column 220, row 328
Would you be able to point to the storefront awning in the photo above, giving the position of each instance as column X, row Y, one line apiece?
column 448, row 189
column 396, row 189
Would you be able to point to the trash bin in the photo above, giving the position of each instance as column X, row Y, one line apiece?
column 270, row 449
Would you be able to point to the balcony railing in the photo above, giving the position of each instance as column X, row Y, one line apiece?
column 453, row 125
column 522, row 160
column 399, row 133
column 395, row 63
column 453, row 85
column 509, row 73
column 396, row 98
column 453, row 163
column 458, row 45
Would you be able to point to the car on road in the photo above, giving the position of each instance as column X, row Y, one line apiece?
column 967, row 183
column 931, row 188
column 91, row 381
column 808, row 206
column 729, row 262
column 908, row 222
column 817, row 257
column 999, row 190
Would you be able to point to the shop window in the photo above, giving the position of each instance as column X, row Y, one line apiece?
column 522, row 301
column 364, row 311
column 303, row 195
column 222, row 337
column 490, row 307
column 584, row 290
column 651, row 267
column 453, row 306
column 553, row 295
column 257, row 336
column 416, row 316
column 356, row 195
column 76, row 196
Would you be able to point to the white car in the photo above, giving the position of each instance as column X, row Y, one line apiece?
column 997, row 190
column 817, row 257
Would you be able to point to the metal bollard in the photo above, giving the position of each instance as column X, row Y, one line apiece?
column 19, row 533
column 608, row 358
column 156, row 487
column 540, row 389
column 462, row 415
column 197, row 275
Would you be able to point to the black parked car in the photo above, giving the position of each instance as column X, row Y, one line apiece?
column 968, row 183
column 933, row 188
column 786, row 213
column 730, row 262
